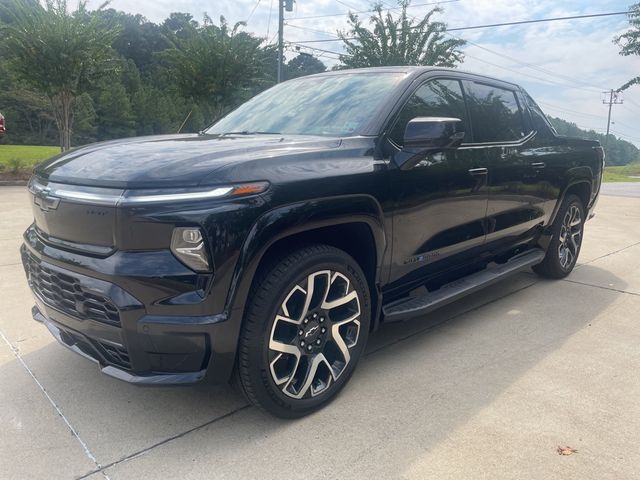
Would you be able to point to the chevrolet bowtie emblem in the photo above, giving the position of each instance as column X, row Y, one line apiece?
column 45, row 202
column 311, row 330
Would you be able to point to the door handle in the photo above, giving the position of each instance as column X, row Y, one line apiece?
column 538, row 165
column 478, row 171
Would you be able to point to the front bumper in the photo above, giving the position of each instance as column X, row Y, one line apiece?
column 85, row 347
column 143, row 328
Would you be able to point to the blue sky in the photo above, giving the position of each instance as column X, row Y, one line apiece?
column 564, row 65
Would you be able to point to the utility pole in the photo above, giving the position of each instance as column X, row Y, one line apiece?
column 282, row 4
column 610, row 98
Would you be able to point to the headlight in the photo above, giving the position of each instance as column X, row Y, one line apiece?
column 141, row 197
column 188, row 246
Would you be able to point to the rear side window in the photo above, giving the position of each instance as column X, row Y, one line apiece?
column 435, row 98
column 538, row 118
column 495, row 113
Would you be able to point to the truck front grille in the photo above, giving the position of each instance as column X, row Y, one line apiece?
column 64, row 292
column 103, row 352
column 117, row 355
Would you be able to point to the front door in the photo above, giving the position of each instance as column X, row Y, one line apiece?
column 441, row 202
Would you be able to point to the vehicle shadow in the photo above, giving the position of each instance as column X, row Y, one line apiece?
column 419, row 381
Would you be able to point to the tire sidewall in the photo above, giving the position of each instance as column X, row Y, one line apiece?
column 553, row 247
column 260, row 375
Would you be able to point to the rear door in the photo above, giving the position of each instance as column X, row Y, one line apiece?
column 501, row 129
column 440, row 204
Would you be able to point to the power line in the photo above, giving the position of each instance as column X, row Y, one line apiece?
column 627, row 137
column 484, row 48
column 554, row 19
column 317, row 49
column 632, row 102
column 269, row 20
column 618, row 122
column 346, row 5
column 370, row 11
column 632, row 110
column 595, row 129
column 544, row 80
column 528, row 65
column 324, row 40
column 567, row 110
column 312, row 30
column 252, row 11
column 522, row 22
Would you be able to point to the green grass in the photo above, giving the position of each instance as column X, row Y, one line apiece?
column 622, row 173
column 15, row 157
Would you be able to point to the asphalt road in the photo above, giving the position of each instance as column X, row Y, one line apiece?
column 488, row 387
column 622, row 189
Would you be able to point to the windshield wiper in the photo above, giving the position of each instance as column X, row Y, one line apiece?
column 247, row 132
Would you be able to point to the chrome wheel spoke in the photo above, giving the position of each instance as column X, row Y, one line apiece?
column 568, row 258
column 286, row 376
column 563, row 235
column 569, row 237
column 311, row 337
column 574, row 242
column 351, row 296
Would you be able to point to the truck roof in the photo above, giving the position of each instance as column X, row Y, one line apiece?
column 414, row 71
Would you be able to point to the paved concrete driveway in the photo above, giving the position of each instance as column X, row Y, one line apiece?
column 486, row 388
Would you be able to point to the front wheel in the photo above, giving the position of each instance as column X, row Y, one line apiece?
column 305, row 328
column 564, row 248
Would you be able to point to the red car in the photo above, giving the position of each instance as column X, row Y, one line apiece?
column 3, row 128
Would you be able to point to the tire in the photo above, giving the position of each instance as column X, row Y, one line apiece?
column 564, row 248
column 306, row 325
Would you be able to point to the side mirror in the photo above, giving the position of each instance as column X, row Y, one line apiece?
column 425, row 135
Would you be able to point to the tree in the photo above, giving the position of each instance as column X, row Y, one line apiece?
column 303, row 64
column 181, row 25
column 29, row 112
column 138, row 39
column 399, row 41
column 619, row 151
column 630, row 41
column 217, row 66
column 57, row 52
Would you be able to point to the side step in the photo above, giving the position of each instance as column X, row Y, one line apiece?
column 407, row 308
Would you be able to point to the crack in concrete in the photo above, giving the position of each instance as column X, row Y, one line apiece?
column 146, row 450
column 607, row 254
column 55, row 406
column 10, row 264
column 611, row 289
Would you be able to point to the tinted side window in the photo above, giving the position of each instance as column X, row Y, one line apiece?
column 436, row 98
column 495, row 114
column 538, row 118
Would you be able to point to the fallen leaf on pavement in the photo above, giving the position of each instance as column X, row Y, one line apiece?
column 566, row 450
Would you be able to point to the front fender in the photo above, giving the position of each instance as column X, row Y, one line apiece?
column 299, row 217
column 270, row 227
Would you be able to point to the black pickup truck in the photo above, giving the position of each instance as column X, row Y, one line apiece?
column 266, row 248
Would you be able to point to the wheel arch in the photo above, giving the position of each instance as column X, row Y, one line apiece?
column 579, row 182
column 353, row 223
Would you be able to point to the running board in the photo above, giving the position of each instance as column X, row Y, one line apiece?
column 407, row 308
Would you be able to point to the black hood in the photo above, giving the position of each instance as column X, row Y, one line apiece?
column 172, row 160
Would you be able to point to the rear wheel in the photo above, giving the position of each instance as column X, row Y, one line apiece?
column 305, row 329
column 567, row 233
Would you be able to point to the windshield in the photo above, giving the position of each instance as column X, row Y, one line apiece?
column 337, row 105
